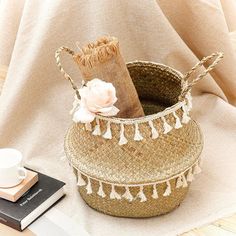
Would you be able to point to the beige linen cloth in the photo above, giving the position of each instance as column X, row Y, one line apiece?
column 35, row 100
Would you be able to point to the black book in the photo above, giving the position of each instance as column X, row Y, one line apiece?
column 32, row 204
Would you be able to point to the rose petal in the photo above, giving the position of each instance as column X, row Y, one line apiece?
column 114, row 99
column 94, row 82
column 104, row 109
column 83, row 92
column 114, row 110
column 98, row 97
column 83, row 115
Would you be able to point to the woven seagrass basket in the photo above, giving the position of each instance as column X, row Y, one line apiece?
column 140, row 167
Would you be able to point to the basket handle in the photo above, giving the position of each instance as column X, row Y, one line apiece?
column 187, row 86
column 58, row 61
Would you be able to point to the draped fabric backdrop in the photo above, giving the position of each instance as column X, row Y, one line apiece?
column 35, row 100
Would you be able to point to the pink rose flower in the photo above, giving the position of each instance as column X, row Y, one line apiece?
column 97, row 97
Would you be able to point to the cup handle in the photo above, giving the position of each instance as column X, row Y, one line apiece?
column 22, row 173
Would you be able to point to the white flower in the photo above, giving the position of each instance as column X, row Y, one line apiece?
column 97, row 97
column 75, row 105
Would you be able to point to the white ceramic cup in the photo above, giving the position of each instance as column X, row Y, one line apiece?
column 11, row 171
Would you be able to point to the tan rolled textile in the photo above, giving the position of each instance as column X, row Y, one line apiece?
column 102, row 59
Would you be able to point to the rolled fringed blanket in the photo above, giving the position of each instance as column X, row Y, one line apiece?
column 102, row 59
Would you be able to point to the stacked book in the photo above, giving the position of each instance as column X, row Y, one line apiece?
column 22, row 204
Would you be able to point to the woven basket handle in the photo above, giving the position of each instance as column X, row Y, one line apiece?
column 218, row 56
column 58, row 61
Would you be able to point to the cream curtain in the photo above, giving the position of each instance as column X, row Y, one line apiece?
column 36, row 100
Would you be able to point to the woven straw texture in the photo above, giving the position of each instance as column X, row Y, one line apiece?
column 135, row 209
column 150, row 159
column 143, row 162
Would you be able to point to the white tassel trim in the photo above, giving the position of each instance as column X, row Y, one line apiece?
column 107, row 134
column 177, row 121
column 123, row 139
column 100, row 191
column 97, row 130
column 196, row 169
column 181, row 181
column 80, row 180
column 167, row 127
column 114, row 194
column 190, row 176
column 89, row 187
column 141, row 195
column 154, row 131
column 127, row 195
column 137, row 134
column 185, row 106
column 168, row 189
column 88, row 127
column 154, row 191
column 185, row 117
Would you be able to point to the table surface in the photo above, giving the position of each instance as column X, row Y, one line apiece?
column 54, row 222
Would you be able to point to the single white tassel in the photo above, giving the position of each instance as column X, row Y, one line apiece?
column 168, row 189
column 189, row 101
column 89, row 187
column 141, row 195
column 185, row 183
column 167, row 127
column 190, row 176
column 80, row 180
column 97, row 130
column 88, row 127
column 114, row 194
column 179, row 182
column 177, row 121
column 154, row 131
column 127, row 195
column 137, row 135
column 107, row 134
column 100, row 191
column 185, row 117
column 123, row 139
column 154, row 191
column 196, row 169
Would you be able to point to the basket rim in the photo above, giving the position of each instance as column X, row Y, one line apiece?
column 153, row 116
